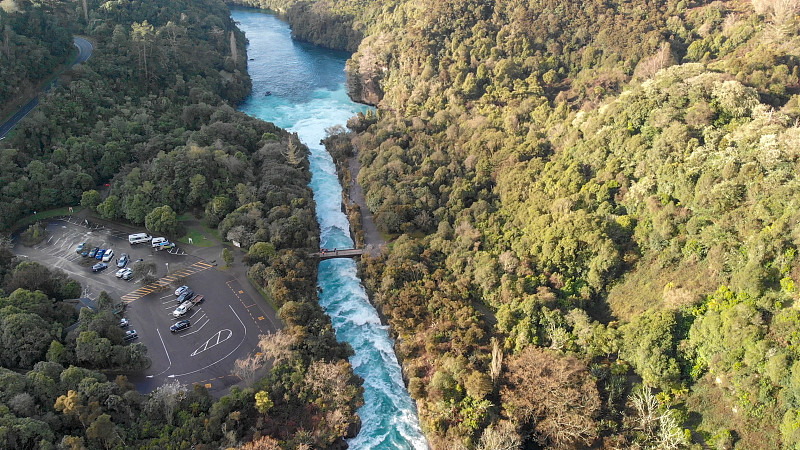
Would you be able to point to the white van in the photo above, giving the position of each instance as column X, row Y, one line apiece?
column 138, row 238
column 156, row 241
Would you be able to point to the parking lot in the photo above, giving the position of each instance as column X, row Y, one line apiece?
column 224, row 327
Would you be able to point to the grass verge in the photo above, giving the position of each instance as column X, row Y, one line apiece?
column 42, row 215
column 199, row 239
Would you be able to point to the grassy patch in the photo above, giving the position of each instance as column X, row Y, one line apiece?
column 199, row 239
column 43, row 215
column 651, row 286
column 213, row 232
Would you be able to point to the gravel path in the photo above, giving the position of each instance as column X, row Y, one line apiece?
column 373, row 241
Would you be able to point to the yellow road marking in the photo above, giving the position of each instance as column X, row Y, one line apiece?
column 164, row 282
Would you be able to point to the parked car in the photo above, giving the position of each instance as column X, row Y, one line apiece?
column 128, row 274
column 165, row 246
column 186, row 295
column 157, row 241
column 108, row 255
column 120, row 272
column 181, row 290
column 99, row 266
column 80, row 248
column 123, row 260
column 131, row 335
column 100, row 253
column 93, row 252
column 85, row 252
column 187, row 306
column 123, row 323
column 180, row 325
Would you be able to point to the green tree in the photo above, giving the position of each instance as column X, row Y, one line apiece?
column 260, row 252
column 650, row 346
column 227, row 256
column 109, row 208
column 24, row 340
column 93, row 350
column 216, row 210
column 103, row 429
column 90, row 199
column 162, row 220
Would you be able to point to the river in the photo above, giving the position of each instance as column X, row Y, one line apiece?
column 307, row 95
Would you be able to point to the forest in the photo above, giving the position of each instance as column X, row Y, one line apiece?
column 591, row 205
column 593, row 211
column 145, row 131
column 32, row 45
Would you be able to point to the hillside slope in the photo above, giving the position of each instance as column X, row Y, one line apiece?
column 604, row 187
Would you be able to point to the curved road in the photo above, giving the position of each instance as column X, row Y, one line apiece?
column 84, row 52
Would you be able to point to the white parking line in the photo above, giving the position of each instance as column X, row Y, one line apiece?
column 195, row 331
column 195, row 313
column 215, row 362
column 165, row 351
column 211, row 343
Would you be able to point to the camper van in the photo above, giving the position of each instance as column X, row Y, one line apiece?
column 139, row 238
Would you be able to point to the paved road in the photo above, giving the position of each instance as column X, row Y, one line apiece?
column 84, row 52
column 84, row 49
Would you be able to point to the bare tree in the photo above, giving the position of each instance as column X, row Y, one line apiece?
column 500, row 436
column 552, row 396
column 497, row 360
column 294, row 153
column 656, row 422
column 234, row 51
column 264, row 443
column 7, row 39
column 277, row 346
column 646, row 406
column 167, row 397
column 246, row 368
column 662, row 58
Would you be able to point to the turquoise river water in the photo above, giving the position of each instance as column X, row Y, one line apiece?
column 307, row 95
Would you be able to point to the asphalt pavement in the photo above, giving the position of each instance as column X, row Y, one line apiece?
column 226, row 326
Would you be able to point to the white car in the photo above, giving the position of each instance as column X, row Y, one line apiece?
column 157, row 241
column 108, row 255
column 120, row 272
column 183, row 309
column 181, row 290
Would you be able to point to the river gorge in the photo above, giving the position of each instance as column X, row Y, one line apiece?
column 301, row 88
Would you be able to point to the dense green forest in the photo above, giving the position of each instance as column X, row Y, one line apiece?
column 34, row 40
column 151, row 114
column 593, row 207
